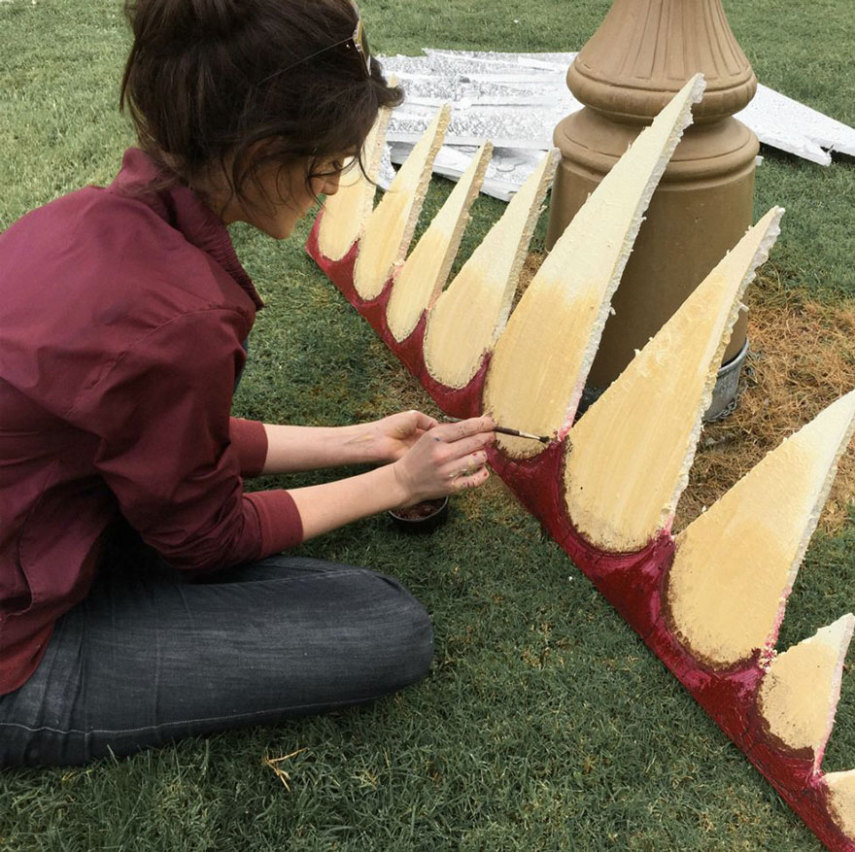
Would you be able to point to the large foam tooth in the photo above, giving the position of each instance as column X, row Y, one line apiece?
column 538, row 369
column 421, row 279
column 632, row 450
column 468, row 317
column 388, row 232
column 841, row 798
column 346, row 212
column 735, row 565
column 799, row 694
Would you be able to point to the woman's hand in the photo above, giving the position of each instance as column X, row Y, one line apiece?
column 449, row 457
column 294, row 448
column 388, row 439
column 434, row 460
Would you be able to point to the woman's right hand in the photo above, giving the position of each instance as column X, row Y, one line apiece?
column 449, row 457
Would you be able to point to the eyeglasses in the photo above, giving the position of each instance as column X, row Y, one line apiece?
column 358, row 42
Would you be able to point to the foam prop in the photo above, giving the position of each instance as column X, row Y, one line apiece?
column 710, row 602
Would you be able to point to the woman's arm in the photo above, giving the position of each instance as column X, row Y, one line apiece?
column 296, row 448
column 444, row 459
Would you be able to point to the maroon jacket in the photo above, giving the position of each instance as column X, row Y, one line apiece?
column 122, row 313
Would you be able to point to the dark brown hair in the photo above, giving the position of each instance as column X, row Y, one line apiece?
column 248, row 83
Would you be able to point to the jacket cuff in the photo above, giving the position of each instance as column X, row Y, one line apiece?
column 249, row 441
column 279, row 520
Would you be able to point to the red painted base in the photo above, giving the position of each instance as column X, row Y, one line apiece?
column 634, row 583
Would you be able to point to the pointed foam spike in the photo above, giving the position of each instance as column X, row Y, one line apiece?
column 841, row 794
column 468, row 317
column 346, row 212
column 388, row 232
column 632, row 450
column 422, row 277
column 538, row 370
column 735, row 565
column 799, row 694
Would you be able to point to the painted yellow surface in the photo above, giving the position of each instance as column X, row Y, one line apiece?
column 541, row 360
column 387, row 234
column 468, row 317
column 632, row 450
column 425, row 271
column 735, row 564
column 799, row 694
column 346, row 212
column 841, row 786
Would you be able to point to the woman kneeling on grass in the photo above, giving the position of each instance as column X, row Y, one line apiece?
column 141, row 599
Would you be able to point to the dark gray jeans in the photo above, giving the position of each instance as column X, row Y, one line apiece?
column 151, row 656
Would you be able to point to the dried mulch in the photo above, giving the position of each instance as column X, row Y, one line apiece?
column 801, row 358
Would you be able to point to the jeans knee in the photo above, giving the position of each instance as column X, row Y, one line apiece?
column 410, row 634
column 421, row 648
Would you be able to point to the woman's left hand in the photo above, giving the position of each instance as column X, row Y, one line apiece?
column 388, row 439
column 293, row 448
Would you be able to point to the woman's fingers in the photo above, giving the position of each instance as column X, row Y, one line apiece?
column 423, row 421
column 455, row 456
column 467, row 465
column 458, row 440
column 406, row 424
column 450, row 457
column 451, row 433
column 473, row 480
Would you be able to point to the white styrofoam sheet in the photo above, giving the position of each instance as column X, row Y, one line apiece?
column 516, row 99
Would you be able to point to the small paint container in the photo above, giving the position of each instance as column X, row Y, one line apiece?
column 422, row 517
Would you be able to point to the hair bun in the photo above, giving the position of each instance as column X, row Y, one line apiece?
column 203, row 18
column 216, row 17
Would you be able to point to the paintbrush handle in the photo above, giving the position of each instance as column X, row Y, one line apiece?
column 504, row 430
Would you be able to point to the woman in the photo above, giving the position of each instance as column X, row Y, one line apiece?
column 142, row 597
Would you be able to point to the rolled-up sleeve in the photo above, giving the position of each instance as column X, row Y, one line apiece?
column 172, row 454
column 249, row 440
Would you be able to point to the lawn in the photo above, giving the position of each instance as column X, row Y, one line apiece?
column 544, row 724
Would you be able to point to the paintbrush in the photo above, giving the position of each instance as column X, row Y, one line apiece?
column 505, row 430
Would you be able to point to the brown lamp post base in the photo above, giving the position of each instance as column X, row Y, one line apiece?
column 642, row 53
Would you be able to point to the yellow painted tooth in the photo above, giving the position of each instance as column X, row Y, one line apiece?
column 541, row 360
column 841, row 790
column 346, row 212
column 421, row 279
column 735, row 564
column 387, row 234
column 799, row 694
column 632, row 450
column 468, row 317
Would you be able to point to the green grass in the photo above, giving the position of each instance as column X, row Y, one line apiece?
column 544, row 724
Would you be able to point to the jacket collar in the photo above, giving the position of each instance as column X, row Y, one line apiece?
column 183, row 210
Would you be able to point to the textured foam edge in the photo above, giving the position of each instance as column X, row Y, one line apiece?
column 773, row 230
column 552, row 159
column 683, row 121
column 420, row 192
column 481, row 161
column 768, row 651
column 836, row 685
column 375, row 152
column 484, row 155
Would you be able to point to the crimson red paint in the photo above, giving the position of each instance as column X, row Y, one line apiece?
column 634, row 583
